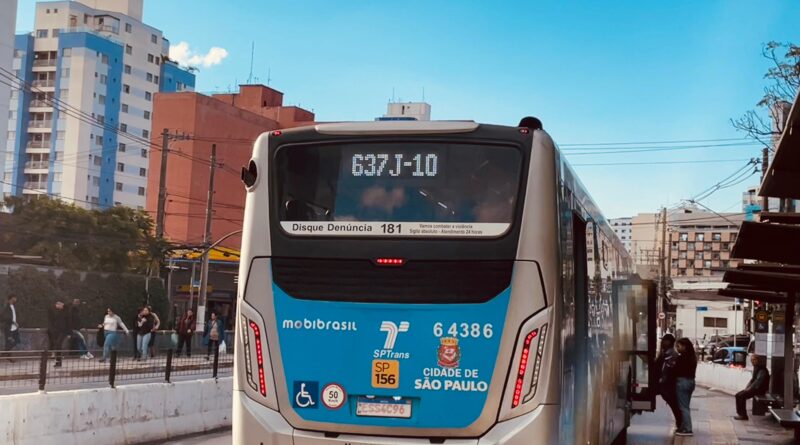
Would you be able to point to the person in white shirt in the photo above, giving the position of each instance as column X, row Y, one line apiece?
column 8, row 323
column 111, row 326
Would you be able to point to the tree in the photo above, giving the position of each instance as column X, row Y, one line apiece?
column 119, row 239
column 783, row 82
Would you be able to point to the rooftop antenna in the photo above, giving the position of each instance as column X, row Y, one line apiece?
column 423, row 94
column 269, row 76
column 392, row 94
column 252, row 53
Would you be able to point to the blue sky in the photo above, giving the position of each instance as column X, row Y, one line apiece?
column 593, row 72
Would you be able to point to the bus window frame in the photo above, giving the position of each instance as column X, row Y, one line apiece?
column 645, row 400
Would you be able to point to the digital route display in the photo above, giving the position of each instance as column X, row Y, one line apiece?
column 394, row 165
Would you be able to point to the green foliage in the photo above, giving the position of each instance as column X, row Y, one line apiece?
column 118, row 239
column 124, row 293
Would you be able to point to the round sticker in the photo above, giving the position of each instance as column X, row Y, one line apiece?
column 333, row 396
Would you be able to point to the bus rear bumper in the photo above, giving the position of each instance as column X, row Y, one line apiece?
column 257, row 425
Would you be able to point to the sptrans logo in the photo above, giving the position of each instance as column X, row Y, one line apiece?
column 392, row 330
column 320, row 325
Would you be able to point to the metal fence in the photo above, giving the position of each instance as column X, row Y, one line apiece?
column 21, row 370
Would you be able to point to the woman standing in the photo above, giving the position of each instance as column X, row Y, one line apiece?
column 111, row 324
column 145, row 325
column 215, row 330
column 685, row 367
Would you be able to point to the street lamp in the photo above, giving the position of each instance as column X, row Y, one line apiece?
column 201, row 304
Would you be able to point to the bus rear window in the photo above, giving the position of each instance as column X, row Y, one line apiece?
column 408, row 189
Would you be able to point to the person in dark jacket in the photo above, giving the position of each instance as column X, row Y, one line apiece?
column 57, row 329
column 664, row 366
column 214, row 334
column 757, row 386
column 684, row 371
column 144, row 325
column 75, row 325
column 9, row 323
column 135, row 336
column 185, row 330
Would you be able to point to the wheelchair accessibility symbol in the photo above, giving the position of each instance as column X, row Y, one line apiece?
column 306, row 395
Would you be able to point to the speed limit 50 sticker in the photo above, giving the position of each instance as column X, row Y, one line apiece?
column 333, row 396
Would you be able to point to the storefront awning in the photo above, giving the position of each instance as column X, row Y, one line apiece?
column 779, row 243
column 782, row 179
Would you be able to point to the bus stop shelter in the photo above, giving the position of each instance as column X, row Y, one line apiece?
column 773, row 246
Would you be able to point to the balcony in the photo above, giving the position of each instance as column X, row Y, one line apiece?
column 44, row 62
column 36, row 185
column 40, row 124
column 38, row 103
column 44, row 83
column 37, row 164
column 38, row 144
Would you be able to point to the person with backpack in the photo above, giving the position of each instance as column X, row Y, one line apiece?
column 110, row 327
column 757, row 386
column 185, row 330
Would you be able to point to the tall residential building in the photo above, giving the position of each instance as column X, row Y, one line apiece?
column 624, row 229
column 81, row 127
column 407, row 111
column 700, row 242
column 7, row 24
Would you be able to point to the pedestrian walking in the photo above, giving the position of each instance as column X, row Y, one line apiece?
column 685, row 369
column 57, row 329
column 75, row 326
column 144, row 326
column 156, row 325
column 9, row 324
column 111, row 326
column 215, row 330
column 665, row 369
column 185, row 330
column 757, row 386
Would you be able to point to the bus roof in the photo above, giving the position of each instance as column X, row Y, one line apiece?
column 397, row 127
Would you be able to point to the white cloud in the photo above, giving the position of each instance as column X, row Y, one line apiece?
column 184, row 55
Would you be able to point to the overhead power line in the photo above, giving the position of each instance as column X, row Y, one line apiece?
column 698, row 161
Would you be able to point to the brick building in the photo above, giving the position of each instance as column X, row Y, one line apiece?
column 232, row 122
column 700, row 242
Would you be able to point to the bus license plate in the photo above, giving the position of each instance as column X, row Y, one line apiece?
column 383, row 408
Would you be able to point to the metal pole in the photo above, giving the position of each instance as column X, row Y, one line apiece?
column 162, row 185
column 169, row 282
column 201, row 305
column 788, row 352
column 191, row 285
column 43, row 370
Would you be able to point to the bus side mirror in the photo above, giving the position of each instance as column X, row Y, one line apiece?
column 250, row 174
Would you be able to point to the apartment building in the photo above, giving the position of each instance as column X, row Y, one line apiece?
column 623, row 227
column 80, row 127
column 700, row 242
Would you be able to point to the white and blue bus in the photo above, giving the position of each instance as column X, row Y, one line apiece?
column 432, row 282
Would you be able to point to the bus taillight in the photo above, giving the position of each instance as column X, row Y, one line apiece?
column 390, row 261
column 523, row 366
column 262, row 385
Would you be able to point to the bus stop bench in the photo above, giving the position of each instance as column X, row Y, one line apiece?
column 788, row 418
column 761, row 403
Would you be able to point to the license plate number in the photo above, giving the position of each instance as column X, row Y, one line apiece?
column 383, row 409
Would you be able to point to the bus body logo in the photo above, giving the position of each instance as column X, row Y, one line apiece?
column 449, row 353
column 392, row 330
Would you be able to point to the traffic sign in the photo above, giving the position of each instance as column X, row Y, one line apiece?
column 662, row 315
column 702, row 308
column 762, row 316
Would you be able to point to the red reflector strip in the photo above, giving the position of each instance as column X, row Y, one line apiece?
column 277, row 133
column 523, row 366
column 390, row 261
column 262, row 385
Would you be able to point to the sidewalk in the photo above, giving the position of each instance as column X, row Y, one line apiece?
column 712, row 420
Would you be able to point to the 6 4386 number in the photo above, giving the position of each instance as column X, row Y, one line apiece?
column 464, row 330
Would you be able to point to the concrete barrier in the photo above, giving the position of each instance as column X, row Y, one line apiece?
column 126, row 415
column 722, row 378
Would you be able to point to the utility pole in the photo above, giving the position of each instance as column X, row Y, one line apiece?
column 201, row 305
column 764, row 166
column 162, row 185
column 663, row 281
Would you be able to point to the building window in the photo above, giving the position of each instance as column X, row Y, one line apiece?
column 149, row 77
column 123, row 128
column 675, row 245
column 66, row 52
column 684, row 237
column 126, row 89
column 128, row 27
column 715, row 256
column 128, row 49
column 98, row 140
column 122, row 147
column 690, row 246
column 127, row 69
column 120, row 167
column 101, row 99
column 103, row 79
column 118, row 186
column 101, row 119
column 682, row 254
column 707, row 264
column 55, row 32
column 145, row 133
column 124, row 108
column 698, row 255
column 716, row 236
column 155, row 80
column 733, row 237
column 41, row 33
column 65, row 72
column 146, row 114
column 707, row 246
column 104, row 59
column 142, row 172
column 153, row 38
column 700, row 237
column 726, row 247
column 60, row 135
column 150, row 58
column 682, row 272
column 95, row 181
column 715, row 322
column 148, row 95
column 144, row 152
column 141, row 191
column 98, row 160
